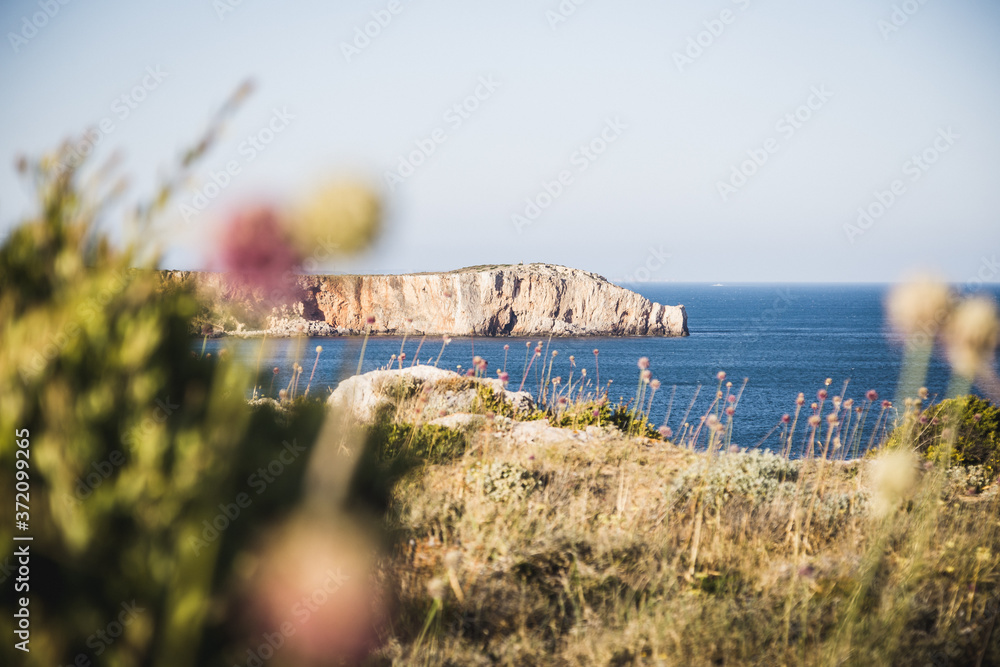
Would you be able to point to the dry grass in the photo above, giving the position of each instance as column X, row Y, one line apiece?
column 618, row 550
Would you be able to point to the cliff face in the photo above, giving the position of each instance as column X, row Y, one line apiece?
column 530, row 299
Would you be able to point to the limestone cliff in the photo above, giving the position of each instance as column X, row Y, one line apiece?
column 513, row 300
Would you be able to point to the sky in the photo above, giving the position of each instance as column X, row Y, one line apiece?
column 732, row 140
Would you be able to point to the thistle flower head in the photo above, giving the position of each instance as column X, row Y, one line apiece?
column 721, row 375
column 666, row 432
column 256, row 250
column 730, row 411
column 319, row 348
column 731, row 399
column 800, row 399
column 872, row 395
column 785, row 418
column 923, row 393
column 643, row 363
column 506, row 347
column 886, row 404
column 646, row 375
column 814, row 420
column 828, row 382
column 370, row 320
column 821, row 394
column 504, row 376
column 655, row 384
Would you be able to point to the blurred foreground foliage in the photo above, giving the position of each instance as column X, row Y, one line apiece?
column 139, row 449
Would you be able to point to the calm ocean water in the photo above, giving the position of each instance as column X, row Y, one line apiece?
column 783, row 338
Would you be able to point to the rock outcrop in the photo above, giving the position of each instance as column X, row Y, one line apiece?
column 513, row 300
column 420, row 390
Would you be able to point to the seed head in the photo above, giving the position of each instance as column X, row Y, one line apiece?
column 785, row 418
column 721, row 375
column 821, row 394
column 971, row 336
column 436, row 588
column 919, row 307
column 814, row 420
column 643, row 363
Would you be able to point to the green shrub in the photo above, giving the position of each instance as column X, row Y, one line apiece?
column 138, row 447
column 977, row 435
column 502, row 482
column 756, row 476
column 428, row 442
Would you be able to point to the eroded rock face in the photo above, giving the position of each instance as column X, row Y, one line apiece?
column 518, row 300
column 515, row 300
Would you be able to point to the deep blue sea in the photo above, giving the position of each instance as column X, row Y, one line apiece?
column 784, row 339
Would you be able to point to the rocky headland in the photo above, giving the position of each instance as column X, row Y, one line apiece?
column 511, row 300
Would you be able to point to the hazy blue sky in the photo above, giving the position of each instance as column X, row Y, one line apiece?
column 886, row 81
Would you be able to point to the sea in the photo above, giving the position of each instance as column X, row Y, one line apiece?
column 771, row 340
